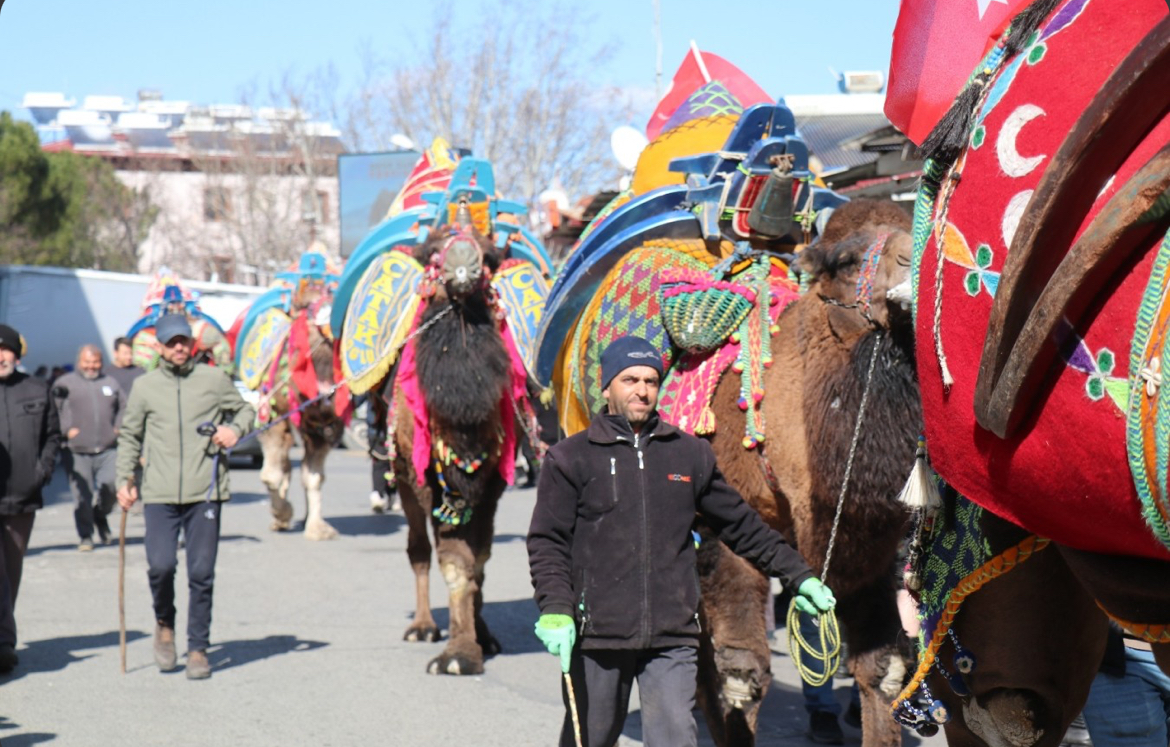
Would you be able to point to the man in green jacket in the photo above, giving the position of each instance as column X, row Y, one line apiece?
column 161, row 427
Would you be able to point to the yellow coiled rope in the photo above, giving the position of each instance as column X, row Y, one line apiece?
column 827, row 649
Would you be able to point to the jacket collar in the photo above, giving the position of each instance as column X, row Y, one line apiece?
column 177, row 371
column 609, row 429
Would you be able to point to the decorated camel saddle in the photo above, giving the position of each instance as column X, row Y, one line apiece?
column 166, row 294
column 694, row 259
column 273, row 344
column 384, row 291
column 1042, row 308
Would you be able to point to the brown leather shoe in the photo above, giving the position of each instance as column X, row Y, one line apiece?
column 164, row 648
column 198, row 667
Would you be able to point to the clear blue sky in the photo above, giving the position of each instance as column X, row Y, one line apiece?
column 207, row 52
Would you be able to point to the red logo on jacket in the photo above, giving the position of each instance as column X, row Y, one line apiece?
column 678, row 478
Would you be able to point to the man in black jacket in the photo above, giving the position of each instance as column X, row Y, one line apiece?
column 612, row 556
column 29, row 439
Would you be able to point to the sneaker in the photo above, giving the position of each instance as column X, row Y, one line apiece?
column 378, row 502
column 164, row 647
column 198, row 667
column 824, row 729
column 86, row 545
column 395, row 502
column 8, row 658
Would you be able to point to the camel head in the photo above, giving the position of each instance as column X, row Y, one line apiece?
column 459, row 260
column 861, row 265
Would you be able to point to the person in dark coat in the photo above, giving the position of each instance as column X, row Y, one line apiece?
column 30, row 436
column 612, row 556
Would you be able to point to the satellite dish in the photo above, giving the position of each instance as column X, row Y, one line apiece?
column 398, row 140
column 627, row 144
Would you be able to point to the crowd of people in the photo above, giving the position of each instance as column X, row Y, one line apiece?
column 103, row 421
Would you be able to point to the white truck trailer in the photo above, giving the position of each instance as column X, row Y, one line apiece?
column 60, row 309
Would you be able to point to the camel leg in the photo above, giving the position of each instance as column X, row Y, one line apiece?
column 416, row 506
column 870, row 627
column 485, row 532
column 276, row 474
column 1038, row 639
column 462, row 554
column 313, row 477
column 735, row 667
column 457, row 561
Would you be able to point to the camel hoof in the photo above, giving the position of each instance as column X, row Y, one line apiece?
column 422, row 632
column 454, row 664
column 319, row 530
column 279, row 526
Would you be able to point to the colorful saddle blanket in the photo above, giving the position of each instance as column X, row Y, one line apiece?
column 1064, row 474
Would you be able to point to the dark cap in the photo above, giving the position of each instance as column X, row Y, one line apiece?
column 626, row 352
column 171, row 326
column 11, row 339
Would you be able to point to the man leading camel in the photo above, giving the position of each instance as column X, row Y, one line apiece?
column 612, row 556
column 180, row 487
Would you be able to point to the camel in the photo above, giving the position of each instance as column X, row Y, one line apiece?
column 320, row 427
column 453, row 436
column 287, row 354
column 1043, row 232
column 821, row 353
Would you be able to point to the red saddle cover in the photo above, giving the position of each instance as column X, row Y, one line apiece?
column 1064, row 473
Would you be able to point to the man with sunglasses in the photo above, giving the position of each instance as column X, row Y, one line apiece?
column 183, row 482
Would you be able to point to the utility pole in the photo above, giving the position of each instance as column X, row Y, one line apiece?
column 658, row 49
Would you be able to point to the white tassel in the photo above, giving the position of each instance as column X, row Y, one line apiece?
column 920, row 491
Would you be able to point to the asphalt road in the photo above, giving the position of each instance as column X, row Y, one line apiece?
column 307, row 642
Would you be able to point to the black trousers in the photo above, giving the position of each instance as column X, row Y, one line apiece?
column 602, row 681
column 200, row 525
column 14, row 535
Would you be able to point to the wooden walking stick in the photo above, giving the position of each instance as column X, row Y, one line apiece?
column 122, row 590
column 573, row 709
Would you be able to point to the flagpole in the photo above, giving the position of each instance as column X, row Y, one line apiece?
column 699, row 59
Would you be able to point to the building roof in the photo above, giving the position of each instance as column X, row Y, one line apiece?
column 832, row 138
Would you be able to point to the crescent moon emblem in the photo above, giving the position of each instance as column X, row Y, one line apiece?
column 1010, row 160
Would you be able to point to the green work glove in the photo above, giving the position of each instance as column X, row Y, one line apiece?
column 814, row 598
column 557, row 634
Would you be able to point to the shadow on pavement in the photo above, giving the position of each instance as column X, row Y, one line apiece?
column 54, row 654
column 130, row 542
column 238, row 653
column 500, row 539
column 367, row 524
column 22, row 740
column 240, row 497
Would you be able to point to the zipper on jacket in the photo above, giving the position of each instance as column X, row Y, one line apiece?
column 647, row 629
column 179, row 399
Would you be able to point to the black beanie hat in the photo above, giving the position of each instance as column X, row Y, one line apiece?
column 12, row 340
column 625, row 352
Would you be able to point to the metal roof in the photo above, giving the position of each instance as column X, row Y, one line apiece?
column 832, row 138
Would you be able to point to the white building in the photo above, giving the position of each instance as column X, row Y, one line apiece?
column 240, row 194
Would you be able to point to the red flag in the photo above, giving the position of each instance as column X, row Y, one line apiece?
column 937, row 44
column 698, row 69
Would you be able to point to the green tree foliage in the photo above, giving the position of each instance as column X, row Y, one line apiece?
column 65, row 209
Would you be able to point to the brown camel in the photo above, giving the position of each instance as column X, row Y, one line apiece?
column 320, row 428
column 813, row 390
column 462, row 374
